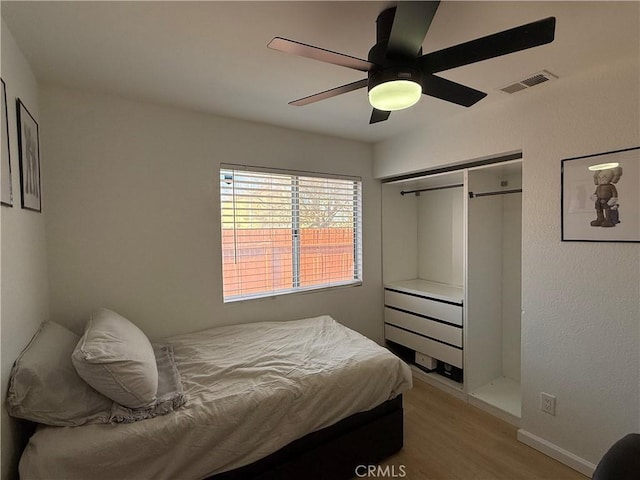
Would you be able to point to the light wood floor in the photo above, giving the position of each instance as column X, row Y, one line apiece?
column 445, row 438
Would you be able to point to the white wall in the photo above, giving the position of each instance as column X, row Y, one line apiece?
column 423, row 235
column 399, row 234
column 511, row 284
column 440, row 236
column 483, row 290
column 133, row 216
column 580, row 339
column 25, row 301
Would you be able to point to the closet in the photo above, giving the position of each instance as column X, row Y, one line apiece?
column 451, row 270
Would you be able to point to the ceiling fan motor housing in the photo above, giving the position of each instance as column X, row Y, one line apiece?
column 389, row 67
column 391, row 74
column 379, row 54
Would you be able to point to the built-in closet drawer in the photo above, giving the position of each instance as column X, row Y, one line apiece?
column 436, row 309
column 430, row 328
column 433, row 348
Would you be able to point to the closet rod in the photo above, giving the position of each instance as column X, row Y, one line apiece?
column 499, row 192
column 417, row 192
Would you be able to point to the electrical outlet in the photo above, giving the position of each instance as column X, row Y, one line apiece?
column 547, row 403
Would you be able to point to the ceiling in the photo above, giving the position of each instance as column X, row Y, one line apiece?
column 212, row 56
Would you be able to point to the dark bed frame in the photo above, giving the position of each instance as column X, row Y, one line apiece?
column 334, row 452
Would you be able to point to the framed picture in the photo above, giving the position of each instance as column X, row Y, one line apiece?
column 7, row 189
column 601, row 197
column 29, row 154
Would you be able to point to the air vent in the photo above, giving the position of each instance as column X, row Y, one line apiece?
column 530, row 81
column 516, row 87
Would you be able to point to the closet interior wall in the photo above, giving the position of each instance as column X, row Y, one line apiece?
column 441, row 236
column 399, row 233
column 493, row 290
column 423, row 233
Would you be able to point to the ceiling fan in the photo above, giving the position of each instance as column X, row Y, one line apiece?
column 398, row 73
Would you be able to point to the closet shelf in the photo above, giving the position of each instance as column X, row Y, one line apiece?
column 502, row 393
column 439, row 291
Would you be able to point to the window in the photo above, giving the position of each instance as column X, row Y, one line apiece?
column 285, row 231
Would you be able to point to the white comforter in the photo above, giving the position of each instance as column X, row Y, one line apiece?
column 251, row 389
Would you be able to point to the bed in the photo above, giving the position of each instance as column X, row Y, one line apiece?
column 299, row 399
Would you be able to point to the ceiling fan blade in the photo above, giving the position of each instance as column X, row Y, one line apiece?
column 410, row 25
column 378, row 116
column 515, row 39
column 450, row 91
column 349, row 87
column 317, row 53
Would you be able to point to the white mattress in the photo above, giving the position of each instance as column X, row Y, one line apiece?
column 251, row 389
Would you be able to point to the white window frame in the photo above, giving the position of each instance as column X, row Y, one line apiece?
column 227, row 188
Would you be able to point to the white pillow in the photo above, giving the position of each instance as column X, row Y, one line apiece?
column 116, row 358
column 45, row 388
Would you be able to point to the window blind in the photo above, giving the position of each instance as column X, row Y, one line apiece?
column 286, row 231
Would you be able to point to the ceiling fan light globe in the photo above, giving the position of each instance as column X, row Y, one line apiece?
column 395, row 95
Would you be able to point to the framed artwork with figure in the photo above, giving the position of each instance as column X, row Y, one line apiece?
column 601, row 197
column 29, row 156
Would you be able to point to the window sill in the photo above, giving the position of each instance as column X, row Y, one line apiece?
column 297, row 291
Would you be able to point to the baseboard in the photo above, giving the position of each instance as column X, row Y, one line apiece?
column 553, row 451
